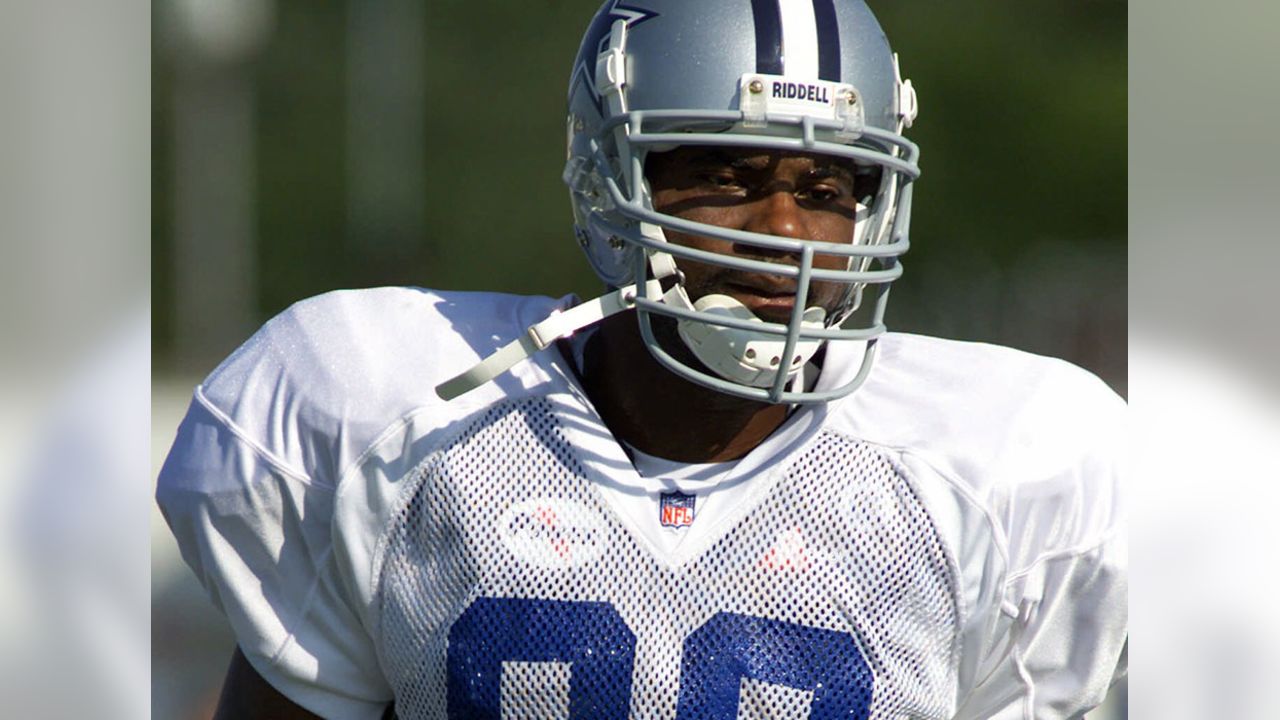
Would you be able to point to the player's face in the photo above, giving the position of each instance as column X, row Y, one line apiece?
column 792, row 195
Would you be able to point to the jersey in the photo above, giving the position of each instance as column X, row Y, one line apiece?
column 947, row 542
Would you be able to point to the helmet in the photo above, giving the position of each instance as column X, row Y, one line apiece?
column 813, row 76
column 800, row 75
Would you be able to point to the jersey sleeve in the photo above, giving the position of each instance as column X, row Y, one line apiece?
column 1061, row 631
column 256, row 532
column 250, row 491
column 265, row 488
column 1065, row 641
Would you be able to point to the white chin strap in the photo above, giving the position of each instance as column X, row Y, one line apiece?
column 749, row 357
column 561, row 324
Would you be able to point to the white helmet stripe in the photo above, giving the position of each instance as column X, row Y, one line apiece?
column 799, row 38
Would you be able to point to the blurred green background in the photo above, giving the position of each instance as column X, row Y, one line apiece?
column 301, row 147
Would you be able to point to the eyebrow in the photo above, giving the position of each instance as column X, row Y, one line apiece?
column 720, row 157
column 716, row 156
column 840, row 172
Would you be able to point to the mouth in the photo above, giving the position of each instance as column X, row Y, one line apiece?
column 768, row 301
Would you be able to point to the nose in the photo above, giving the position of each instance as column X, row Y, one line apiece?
column 777, row 213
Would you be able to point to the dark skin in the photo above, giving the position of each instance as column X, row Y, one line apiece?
column 793, row 195
column 245, row 694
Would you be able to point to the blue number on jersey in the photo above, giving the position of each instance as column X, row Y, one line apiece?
column 593, row 638
column 589, row 635
column 730, row 647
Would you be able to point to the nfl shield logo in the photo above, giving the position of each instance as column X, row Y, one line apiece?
column 676, row 509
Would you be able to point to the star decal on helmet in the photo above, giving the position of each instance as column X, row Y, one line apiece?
column 597, row 37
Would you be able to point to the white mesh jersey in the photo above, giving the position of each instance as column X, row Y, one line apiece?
column 945, row 543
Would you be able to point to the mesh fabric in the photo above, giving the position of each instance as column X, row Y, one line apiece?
column 509, row 588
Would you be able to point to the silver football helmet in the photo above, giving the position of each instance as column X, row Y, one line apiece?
column 806, row 75
column 812, row 76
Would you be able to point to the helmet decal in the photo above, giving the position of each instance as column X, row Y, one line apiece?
column 597, row 37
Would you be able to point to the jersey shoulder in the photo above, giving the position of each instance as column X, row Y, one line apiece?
column 1020, row 434
column 343, row 365
column 253, row 486
column 933, row 393
column 952, row 380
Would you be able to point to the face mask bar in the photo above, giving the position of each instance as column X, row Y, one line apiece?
column 902, row 157
column 632, row 205
column 885, row 240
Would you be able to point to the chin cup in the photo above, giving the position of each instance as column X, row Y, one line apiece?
column 750, row 357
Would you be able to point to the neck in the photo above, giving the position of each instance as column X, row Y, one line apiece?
column 662, row 414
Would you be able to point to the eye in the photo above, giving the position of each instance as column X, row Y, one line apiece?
column 823, row 193
column 721, row 180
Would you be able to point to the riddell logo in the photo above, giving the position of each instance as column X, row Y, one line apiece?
column 800, row 91
column 676, row 509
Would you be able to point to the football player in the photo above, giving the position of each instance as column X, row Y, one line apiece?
column 720, row 490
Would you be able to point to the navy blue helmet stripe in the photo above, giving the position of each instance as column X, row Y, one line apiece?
column 824, row 15
column 768, row 21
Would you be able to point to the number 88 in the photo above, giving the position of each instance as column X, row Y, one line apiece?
column 600, row 649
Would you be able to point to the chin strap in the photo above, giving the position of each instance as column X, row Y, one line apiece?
column 560, row 324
